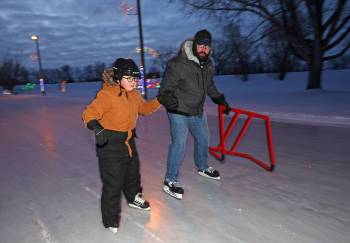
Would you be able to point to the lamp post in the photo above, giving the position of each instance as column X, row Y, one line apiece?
column 143, row 68
column 124, row 6
column 35, row 38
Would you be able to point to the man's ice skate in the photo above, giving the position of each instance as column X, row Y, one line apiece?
column 114, row 230
column 140, row 203
column 173, row 190
column 210, row 173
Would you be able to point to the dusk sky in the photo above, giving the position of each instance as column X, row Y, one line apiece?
column 85, row 32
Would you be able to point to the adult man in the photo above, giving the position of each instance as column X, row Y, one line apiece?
column 189, row 77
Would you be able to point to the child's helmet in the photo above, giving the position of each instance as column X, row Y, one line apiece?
column 125, row 67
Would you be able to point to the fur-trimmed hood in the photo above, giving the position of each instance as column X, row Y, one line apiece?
column 107, row 78
column 186, row 51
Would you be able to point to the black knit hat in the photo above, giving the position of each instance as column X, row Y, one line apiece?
column 125, row 67
column 202, row 37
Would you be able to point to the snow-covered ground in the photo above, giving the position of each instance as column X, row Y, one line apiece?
column 287, row 100
column 50, row 187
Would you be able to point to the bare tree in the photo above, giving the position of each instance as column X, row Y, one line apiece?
column 257, row 64
column 99, row 67
column 342, row 62
column 317, row 30
column 221, row 56
column 278, row 51
column 52, row 75
column 66, row 72
column 89, row 74
column 234, row 51
column 77, row 74
column 12, row 73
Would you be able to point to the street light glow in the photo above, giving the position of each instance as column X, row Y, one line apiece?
column 35, row 37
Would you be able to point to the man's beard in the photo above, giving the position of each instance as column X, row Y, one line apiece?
column 202, row 56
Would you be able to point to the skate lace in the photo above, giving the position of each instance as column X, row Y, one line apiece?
column 210, row 170
column 172, row 184
column 139, row 200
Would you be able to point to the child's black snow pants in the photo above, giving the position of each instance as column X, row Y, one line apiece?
column 119, row 173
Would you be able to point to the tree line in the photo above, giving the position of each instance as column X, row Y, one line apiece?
column 12, row 73
column 275, row 58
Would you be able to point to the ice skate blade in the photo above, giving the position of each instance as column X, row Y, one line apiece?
column 205, row 175
column 134, row 206
column 173, row 194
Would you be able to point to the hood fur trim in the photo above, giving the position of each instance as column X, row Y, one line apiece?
column 187, row 49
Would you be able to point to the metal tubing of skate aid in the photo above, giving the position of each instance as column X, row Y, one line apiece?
column 221, row 150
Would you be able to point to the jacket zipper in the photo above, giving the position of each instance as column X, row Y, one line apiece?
column 203, row 96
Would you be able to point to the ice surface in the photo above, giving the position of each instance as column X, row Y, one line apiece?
column 50, row 187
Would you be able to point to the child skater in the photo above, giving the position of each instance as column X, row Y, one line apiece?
column 112, row 116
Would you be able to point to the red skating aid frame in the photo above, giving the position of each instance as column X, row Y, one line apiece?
column 220, row 151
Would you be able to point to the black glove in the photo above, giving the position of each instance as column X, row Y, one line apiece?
column 168, row 99
column 100, row 132
column 222, row 101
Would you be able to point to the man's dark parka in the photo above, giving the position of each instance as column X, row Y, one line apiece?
column 189, row 80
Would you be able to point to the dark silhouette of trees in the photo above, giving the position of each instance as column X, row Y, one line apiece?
column 279, row 55
column 93, row 72
column 342, row 62
column 66, row 72
column 316, row 31
column 234, row 52
column 89, row 73
column 99, row 67
column 11, row 74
